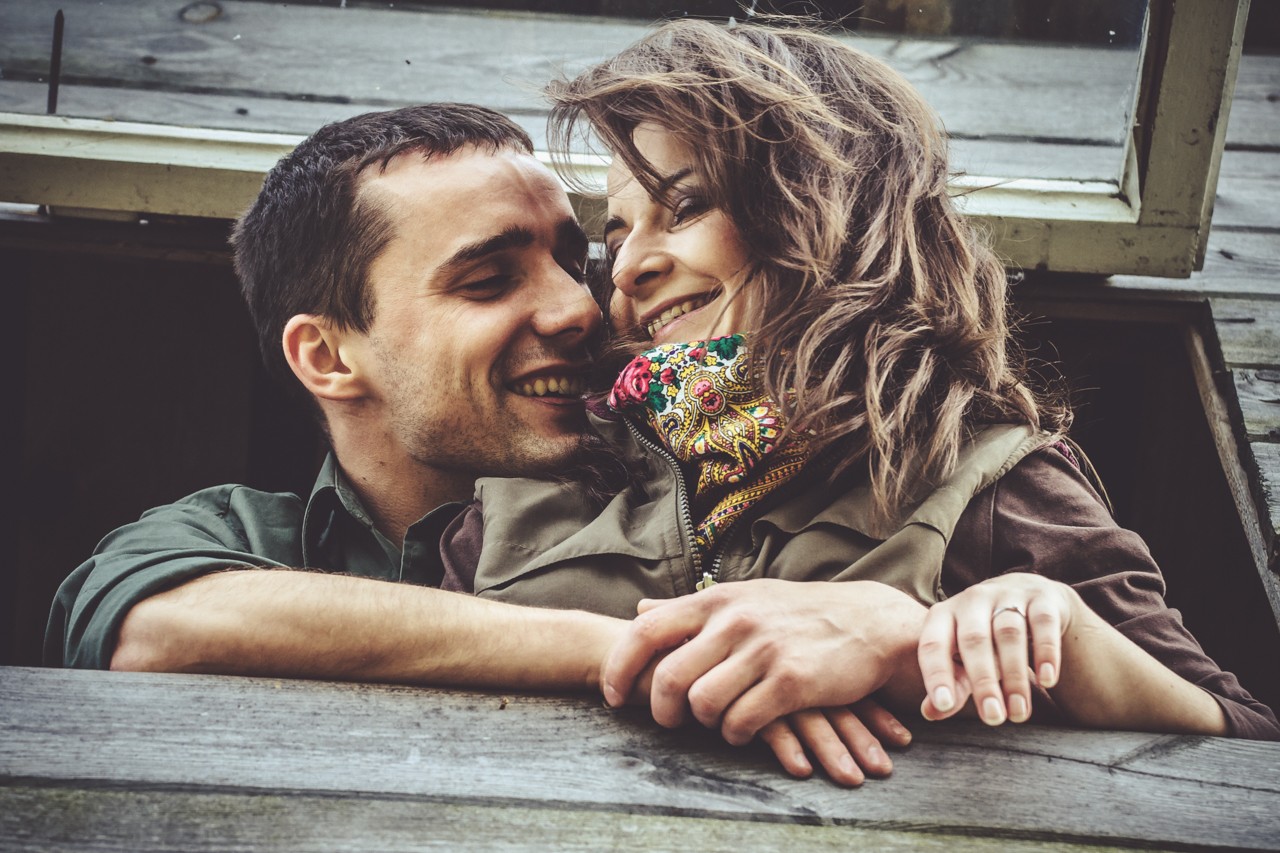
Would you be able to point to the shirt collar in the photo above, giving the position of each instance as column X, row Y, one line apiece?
column 332, row 496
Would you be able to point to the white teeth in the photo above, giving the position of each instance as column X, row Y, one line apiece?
column 565, row 386
column 675, row 311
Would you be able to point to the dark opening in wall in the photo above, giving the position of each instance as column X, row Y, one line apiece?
column 1141, row 419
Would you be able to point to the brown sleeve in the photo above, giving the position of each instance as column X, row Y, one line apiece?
column 460, row 549
column 1044, row 517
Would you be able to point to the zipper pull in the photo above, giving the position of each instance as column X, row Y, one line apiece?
column 707, row 580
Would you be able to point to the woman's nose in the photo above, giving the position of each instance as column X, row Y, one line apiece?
column 639, row 264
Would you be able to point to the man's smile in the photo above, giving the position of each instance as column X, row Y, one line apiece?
column 551, row 386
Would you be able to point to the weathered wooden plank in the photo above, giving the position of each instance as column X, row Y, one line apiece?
column 148, row 731
column 78, row 818
column 1266, row 455
column 999, row 157
column 1252, row 515
column 1255, row 109
column 1214, row 759
column 1248, row 189
column 1239, row 264
column 1249, row 331
column 1259, row 394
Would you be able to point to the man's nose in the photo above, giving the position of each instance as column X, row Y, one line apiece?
column 565, row 308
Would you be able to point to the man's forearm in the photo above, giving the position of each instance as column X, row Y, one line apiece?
column 312, row 625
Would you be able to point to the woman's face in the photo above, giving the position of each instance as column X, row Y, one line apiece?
column 679, row 269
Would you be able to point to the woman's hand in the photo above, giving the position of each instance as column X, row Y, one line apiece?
column 847, row 742
column 988, row 629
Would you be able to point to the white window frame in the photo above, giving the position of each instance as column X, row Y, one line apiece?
column 1154, row 221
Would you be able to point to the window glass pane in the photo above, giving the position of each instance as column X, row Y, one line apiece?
column 1027, row 88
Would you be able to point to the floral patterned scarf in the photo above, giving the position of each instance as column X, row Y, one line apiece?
column 700, row 400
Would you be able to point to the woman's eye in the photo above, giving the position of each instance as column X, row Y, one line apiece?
column 688, row 208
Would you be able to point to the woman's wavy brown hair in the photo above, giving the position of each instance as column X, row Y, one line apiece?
column 879, row 313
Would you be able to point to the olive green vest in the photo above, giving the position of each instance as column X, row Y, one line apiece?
column 547, row 544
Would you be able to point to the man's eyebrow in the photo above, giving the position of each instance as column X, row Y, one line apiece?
column 569, row 235
column 512, row 238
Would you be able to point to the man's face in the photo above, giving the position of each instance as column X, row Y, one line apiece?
column 481, row 319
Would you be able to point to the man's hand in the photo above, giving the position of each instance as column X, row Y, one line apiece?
column 751, row 652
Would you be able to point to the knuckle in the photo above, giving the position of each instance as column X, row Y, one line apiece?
column 646, row 627
column 933, row 647
column 986, row 684
column 735, row 731
column 1011, row 632
column 704, row 705
column 787, row 676
column 973, row 637
column 740, row 622
column 667, row 681
column 1042, row 619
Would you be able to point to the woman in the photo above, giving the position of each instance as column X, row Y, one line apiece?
column 829, row 394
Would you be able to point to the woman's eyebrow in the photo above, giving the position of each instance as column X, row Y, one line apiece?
column 613, row 223
column 671, row 180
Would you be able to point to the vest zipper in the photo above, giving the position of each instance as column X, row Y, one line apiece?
column 701, row 579
column 682, row 501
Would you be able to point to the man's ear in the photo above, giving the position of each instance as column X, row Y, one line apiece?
column 321, row 355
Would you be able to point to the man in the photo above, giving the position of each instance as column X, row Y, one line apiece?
column 416, row 276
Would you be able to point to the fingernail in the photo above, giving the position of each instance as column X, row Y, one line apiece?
column 611, row 697
column 847, row 765
column 1017, row 708
column 992, row 711
column 943, row 700
column 1048, row 677
column 904, row 734
column 876, row 756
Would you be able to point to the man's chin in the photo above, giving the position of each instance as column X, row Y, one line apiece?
column 544, row 457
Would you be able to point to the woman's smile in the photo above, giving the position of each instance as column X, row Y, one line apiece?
column 679, row 262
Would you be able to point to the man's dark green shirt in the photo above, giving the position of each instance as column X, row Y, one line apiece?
column 231, row 527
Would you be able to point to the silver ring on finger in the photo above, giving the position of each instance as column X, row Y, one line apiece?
column 1012, row 608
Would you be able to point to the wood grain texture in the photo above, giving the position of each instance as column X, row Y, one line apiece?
column 503, row 59
column 147, row 732
column 990, row 156
column 1266, row 456
column 1259, row 394
column 1248, row 186
column 1243, row 264
column 78, row 818
column 1249, row 331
